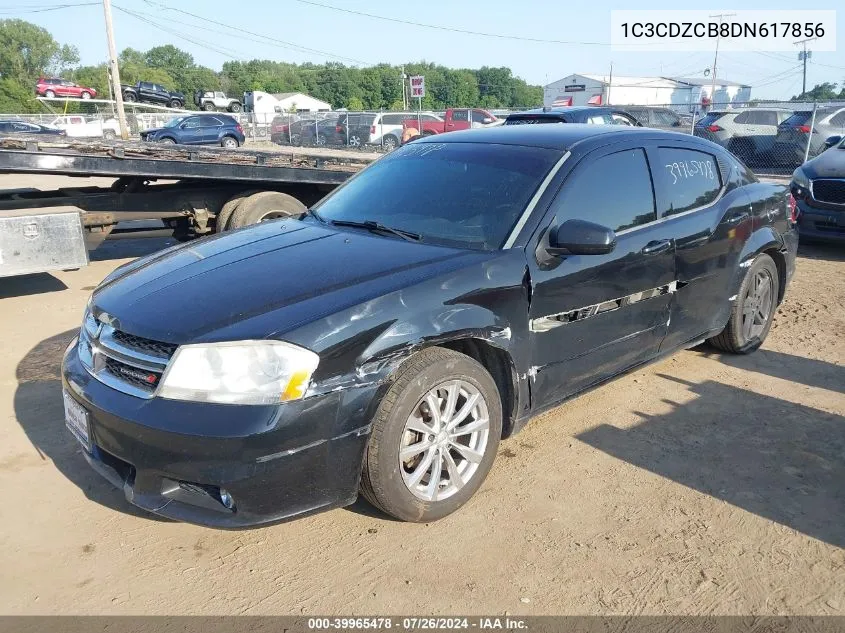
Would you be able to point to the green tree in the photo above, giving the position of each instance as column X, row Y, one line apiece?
column 355, row 104
column 821, row 92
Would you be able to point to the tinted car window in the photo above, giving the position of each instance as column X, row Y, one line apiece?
column 191, row 123
column 600, row 119
column 210, row 121
column 745, row 117
column 146, row 86
column 662, row 117
column 392, row 119
column 767, row 117
column 473, row 194
column 839, row 119
column 478, row 117
column 460, row 115
column 687, row 179
column 628, row 203
column 798, row 118
column 710, row 118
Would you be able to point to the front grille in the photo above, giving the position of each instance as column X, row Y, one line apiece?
column 138, row 378
column 829, row 190
column 156, row 348
column 126, row 362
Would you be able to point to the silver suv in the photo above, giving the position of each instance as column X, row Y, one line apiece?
column 794, row 134
column 748, row 133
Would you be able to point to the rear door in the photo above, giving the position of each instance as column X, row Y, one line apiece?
column 710, row 219
column 592, row 316
column 459, row 120
column 210, row 128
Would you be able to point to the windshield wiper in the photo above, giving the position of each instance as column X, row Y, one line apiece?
column 379, row 227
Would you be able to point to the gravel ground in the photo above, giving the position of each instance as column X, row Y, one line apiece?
column 703, row 484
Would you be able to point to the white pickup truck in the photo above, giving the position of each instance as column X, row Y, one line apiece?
column 77, row 126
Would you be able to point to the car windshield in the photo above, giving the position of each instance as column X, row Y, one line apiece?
column 467, row 195
column 175, row 122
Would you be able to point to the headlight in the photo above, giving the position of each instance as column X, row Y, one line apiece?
column 799, row 179
column 242, row 372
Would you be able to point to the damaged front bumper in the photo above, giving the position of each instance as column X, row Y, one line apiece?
column 225, row 466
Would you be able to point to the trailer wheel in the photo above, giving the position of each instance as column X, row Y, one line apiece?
column 229, row 207
column 267, row 205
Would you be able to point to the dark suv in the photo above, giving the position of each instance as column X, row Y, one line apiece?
column 390, row 336
column 819, row 189
column 660, row 118
column 199, row 129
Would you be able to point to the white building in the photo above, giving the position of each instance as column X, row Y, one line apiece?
column 266, row 105
column 681, row 93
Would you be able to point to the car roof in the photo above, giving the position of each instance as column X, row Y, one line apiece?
column 552, row 136
column 564, row 110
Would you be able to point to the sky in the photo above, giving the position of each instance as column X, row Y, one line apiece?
column 297, row 31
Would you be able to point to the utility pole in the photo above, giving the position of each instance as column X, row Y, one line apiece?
column 115, row 73
column 404, row 103
column 716, row 58
column 804, row 55
column 609, row 83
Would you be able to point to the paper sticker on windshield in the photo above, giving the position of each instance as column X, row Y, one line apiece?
column 420, row 149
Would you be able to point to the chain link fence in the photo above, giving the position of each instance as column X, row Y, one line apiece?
column 770, row 137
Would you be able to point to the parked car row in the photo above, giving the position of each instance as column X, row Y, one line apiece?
column 772, row 136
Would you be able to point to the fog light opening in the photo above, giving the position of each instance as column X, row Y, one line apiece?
column 226, row 499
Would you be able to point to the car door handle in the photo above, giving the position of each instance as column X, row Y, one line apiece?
column 656, row 246
column 738, row 218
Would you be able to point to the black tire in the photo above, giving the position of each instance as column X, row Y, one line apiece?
column 296, row 139
column 167, row 140
column 382, row 481
column 109, row 135
column 49, row 94
column 229, row 142
column 735, row 338
column 176, row 104
column 131, row 97
column 265, row 205
column 228, row 208
column 208, row 106
column 235, row 107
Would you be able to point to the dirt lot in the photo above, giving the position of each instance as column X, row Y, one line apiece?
column 704, row 484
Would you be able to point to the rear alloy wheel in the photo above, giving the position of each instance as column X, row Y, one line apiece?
column 229, row 142
column 753, row 309
column 435, row 437
column 208, row 106
column 176, row 104
column 264, row 206
column 49, row 94
column 390, row 142
column 355, row 140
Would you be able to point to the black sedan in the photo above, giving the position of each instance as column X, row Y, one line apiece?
column 819, row 190
column 23, row 127
column 389, row 337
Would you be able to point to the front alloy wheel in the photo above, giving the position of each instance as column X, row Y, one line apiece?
column 444, row 440
column 435, row 436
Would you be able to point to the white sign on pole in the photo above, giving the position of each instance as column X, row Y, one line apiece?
column 418, row 86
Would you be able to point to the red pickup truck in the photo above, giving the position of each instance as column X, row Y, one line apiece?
column 455, row 119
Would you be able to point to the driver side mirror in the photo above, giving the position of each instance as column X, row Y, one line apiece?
column 488, row 119
column 830, row 141
column 579, row 237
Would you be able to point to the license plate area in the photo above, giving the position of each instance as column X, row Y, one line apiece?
column 77, row 421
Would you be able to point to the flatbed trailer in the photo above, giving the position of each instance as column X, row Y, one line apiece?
column 192, row 191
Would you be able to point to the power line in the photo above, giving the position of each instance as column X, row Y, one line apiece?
column 448, row 28
column 43, row 8
column 273, row 39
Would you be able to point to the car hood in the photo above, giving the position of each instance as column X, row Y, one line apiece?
column 152, row 130
column 262, row 281
column 829, row 164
